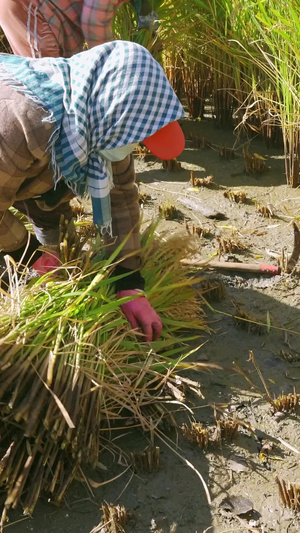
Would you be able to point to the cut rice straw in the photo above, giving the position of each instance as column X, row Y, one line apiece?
column 190, row 465
column 71, row 369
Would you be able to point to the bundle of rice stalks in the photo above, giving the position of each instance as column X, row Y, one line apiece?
column 71, row 368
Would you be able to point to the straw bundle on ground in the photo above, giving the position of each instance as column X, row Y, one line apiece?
column 70, row 368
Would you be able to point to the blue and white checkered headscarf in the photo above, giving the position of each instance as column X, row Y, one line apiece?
column 110, row 96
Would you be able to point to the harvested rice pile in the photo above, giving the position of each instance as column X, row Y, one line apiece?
column 70, row 367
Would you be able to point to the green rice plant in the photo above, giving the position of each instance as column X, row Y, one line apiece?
column 185, row 43
column 205, row 56
column 125, row 28
column 174, row 45
column 72, row 370
column 186, row 55
column 190, row 77
column 244, row 59
column 270, row 49
column 218, row 15
column 256, row 51
column 279, row 46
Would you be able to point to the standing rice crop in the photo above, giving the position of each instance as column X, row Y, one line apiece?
column 254, row 55
column 174, row 44
column 279, row 48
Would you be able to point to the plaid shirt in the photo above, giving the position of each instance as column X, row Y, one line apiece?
column 25, row 173
column 24, row 167
column 74, row 22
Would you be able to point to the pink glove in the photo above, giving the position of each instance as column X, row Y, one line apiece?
column 47, row 262
column 141, row 315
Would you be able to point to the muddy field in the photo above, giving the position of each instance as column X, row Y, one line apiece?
column 240, row 475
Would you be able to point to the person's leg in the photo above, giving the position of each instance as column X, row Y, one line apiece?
column 27, row 32
column 45, row 223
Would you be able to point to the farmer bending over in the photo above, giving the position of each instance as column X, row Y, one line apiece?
column 63, row 124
